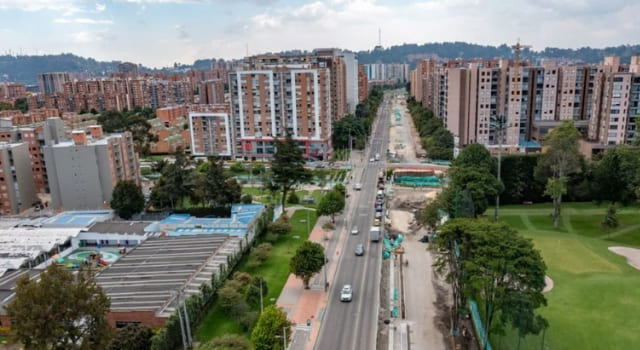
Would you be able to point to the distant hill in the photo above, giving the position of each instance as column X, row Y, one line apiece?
column 411, row 53
column 25, row 69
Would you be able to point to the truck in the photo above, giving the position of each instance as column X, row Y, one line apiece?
column 375, row 233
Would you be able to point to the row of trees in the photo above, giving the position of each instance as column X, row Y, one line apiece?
column 19, row 104
column 358, row 127
column 437, row 141
column 206, row 183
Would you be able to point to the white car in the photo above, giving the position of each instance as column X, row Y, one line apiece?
column 347, row 293
column 372, row 160
column 354, row 230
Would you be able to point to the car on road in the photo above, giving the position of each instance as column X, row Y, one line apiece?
column 347, row 293
column 378, row 214
column 354, row 230
column 424, row 239
column 372, row 160
column 357, row 186
column 360, row 249
column 376, row 222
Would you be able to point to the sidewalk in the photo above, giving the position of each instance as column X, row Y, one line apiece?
column 306, row 307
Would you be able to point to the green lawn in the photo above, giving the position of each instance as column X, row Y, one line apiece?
column 275, row 271
column 596, row 296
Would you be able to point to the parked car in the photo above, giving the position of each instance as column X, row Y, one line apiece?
column 357, row 186
column 376, row 222
column 347, row 293
column 372, row 160
column 360, row 249
column 424, row 239
column 354, row 230
column 378, row 214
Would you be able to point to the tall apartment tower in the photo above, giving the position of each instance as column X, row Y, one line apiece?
column 275, row 95
column 211, row 91
column 128, row 70
column 211, row 132
column 51, row 83
column 351, row 65
column 363, row 83
column 84, row 170
column 17, row 189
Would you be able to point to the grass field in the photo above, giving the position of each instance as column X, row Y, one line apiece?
column 275, row 271
column 595, row 302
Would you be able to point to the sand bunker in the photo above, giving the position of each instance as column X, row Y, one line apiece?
column 632, row 255
column 548, row 284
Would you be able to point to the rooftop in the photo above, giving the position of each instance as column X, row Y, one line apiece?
column 78, row 218
column 183, row 224
column 19, row 245
column 8, row 283
column 145, row 278
column 130, row 227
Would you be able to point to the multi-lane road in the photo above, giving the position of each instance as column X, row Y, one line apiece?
column 353, row 325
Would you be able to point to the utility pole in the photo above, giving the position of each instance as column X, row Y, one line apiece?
column 187, row 323
column 184, row 340
column 284, row 337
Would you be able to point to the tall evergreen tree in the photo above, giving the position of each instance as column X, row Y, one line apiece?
column 287, row 167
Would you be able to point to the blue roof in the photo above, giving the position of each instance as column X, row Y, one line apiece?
column 184, row 224
column 78, row 218
column 529, row 144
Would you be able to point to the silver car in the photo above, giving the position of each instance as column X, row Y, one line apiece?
column 354, row 230
column 347, row 293
column 360, row 249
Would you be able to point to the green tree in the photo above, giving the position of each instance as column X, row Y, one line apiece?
column 252, row 296
column 176, row 182
column 231, row 297
column 127, row 199
column 272, row 324
column 132, row 337
column 281, row 226
column 60, row 311
column 227, row 342
column 287, row 167
column 307, row 261
column 561, row 159
column 610, row 220
column 331, row 204
column 112, row 121
column 5, row 106
column 247, row 199
column 617, row 175
column 237, row 167
column 21, row 104
column 493, row 264
column 476, row 156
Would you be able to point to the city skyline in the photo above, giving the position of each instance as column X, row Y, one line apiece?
column 185, row 30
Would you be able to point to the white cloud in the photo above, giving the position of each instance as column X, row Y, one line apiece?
column 100, row 7
column 266, row 21
column 84, row 37
column 82, row 21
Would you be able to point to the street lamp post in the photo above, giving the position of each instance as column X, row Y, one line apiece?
column 284, row 337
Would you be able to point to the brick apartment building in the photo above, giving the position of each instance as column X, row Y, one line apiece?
column 363, row 83
column 602, row 100
column 211, row 132
column 272, row 100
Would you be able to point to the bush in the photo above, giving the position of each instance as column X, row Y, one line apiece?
column 242, row 277
column 281, row 226
column 237, row 167
column 261, row 252
column 293, row 198
column 247, row 320
column 271, row 237
column 247, row 199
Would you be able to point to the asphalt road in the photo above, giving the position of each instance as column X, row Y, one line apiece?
column 353, row 325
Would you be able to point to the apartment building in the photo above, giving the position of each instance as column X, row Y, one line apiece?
column 83, row 171
column 387, row 72
column 11, row 91
column 211, row 91
column 363, row 83
column 51, row 83
column 274, row 95
column 211, row 132
column 17, row 189
column 601, row 100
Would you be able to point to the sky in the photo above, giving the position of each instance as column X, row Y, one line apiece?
column 157, row 33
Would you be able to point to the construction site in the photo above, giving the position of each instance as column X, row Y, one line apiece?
column 415, row 298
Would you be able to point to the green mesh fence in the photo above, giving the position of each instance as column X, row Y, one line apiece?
column 418, row 181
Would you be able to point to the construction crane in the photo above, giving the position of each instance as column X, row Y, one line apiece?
column 516, row 50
